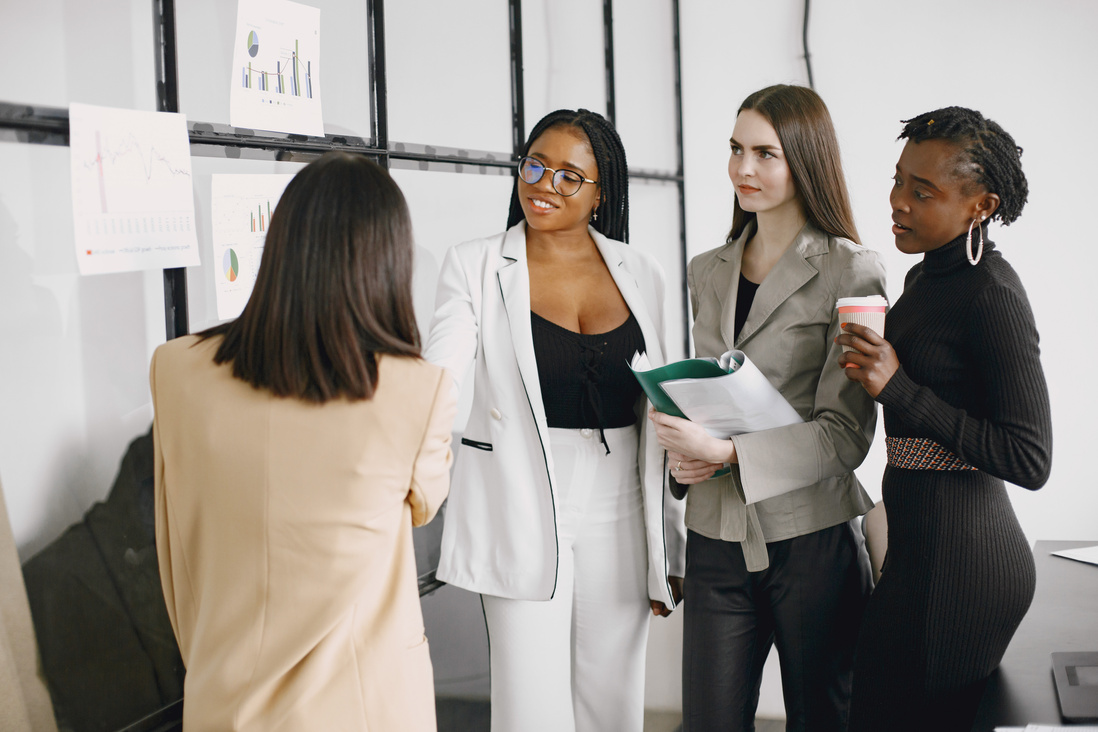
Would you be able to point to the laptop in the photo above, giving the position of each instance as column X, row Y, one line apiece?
column 1076, row 677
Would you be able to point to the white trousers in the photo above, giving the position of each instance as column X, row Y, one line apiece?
column 575, row 663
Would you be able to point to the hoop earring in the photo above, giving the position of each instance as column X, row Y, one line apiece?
column 974, row 259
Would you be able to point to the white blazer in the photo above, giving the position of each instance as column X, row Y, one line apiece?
column 500, row 534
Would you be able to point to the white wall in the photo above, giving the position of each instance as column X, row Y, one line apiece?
column 1029, row 66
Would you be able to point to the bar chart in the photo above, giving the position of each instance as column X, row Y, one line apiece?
column 290, row 75
column 259, row 219
column 241, row 207
column 276, row 68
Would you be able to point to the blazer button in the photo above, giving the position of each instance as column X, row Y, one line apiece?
column 496, row 414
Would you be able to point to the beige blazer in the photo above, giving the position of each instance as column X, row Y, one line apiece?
column 284, row 536
column 797, row 479
column 500, row 534
column 24, row 700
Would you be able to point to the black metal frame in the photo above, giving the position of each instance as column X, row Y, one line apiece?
column 518, row 94
column 50, row 126
column 608, row 58
column 680, row 178
column 176, row 314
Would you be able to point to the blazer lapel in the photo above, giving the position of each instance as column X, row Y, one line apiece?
column 790, row 274
column 514, row 287
column 727, row 270
column 631, row 293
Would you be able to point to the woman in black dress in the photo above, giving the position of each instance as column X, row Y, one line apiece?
column 965, row 408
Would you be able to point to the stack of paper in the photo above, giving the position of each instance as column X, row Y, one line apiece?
column 1088, row 554
column 1046, row 728
column 727, row 395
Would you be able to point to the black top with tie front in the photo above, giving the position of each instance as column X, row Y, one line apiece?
column 585, row 377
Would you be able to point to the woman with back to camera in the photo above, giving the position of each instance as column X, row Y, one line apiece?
column 965, row 408
column 296, row 446
column 774, row 556
column 558, row 515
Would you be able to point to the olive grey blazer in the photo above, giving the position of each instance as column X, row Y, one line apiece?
column 796, row 479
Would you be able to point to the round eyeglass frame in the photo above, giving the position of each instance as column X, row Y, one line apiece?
column 558, row 175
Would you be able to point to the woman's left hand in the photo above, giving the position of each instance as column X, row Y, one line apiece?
column 872, row 363
column 661, row 610
column 688, row 471
column 690, row 441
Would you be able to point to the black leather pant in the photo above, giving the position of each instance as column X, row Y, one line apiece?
column 808, row 602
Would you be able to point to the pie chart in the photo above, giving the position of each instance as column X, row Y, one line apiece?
column 231, row 265
column 253, row 43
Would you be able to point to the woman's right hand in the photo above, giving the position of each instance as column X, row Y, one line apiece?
column 689, row 440
column 872, row 363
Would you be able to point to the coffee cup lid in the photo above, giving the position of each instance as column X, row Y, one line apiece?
column 867, row 301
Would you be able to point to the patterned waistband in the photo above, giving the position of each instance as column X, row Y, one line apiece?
column 918, row 453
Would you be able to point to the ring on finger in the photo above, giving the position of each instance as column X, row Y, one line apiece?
column 679, row 466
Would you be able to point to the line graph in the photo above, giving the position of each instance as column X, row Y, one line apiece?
column 132, row 192
column 114, row 157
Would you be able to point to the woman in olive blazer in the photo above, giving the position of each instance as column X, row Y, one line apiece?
column 773, row 556
column 295, row 449
column 796, row 479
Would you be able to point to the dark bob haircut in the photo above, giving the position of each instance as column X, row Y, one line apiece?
column 807, row 134
column 334, row 288
column 609, row 154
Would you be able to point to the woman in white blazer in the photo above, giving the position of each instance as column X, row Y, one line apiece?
column 558, row 514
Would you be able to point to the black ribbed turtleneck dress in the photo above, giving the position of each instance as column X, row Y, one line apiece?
column 959, row 574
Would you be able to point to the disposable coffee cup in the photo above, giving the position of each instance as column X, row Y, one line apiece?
column 868, row 311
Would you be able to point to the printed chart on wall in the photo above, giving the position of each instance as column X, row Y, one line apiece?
column 276, row 68
column 241, row 213
column 132, row 198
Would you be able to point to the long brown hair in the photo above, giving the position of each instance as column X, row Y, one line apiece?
column 808, row 139
column 333, row 290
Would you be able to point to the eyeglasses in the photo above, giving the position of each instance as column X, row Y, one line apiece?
column 565, row 182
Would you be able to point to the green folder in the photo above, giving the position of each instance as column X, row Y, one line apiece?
column 691, row 368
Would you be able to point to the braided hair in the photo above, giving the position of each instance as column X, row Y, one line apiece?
column 988, row 155
column 612, row 214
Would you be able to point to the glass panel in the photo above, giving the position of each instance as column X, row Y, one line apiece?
column 448, row 209
column 563, row 55
column 449, row 73
column 74, row 390
column 58, row 52
column 74, row 366
column 207, row 30
column 654, row 228
column 201, row 285
column 644, row 83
